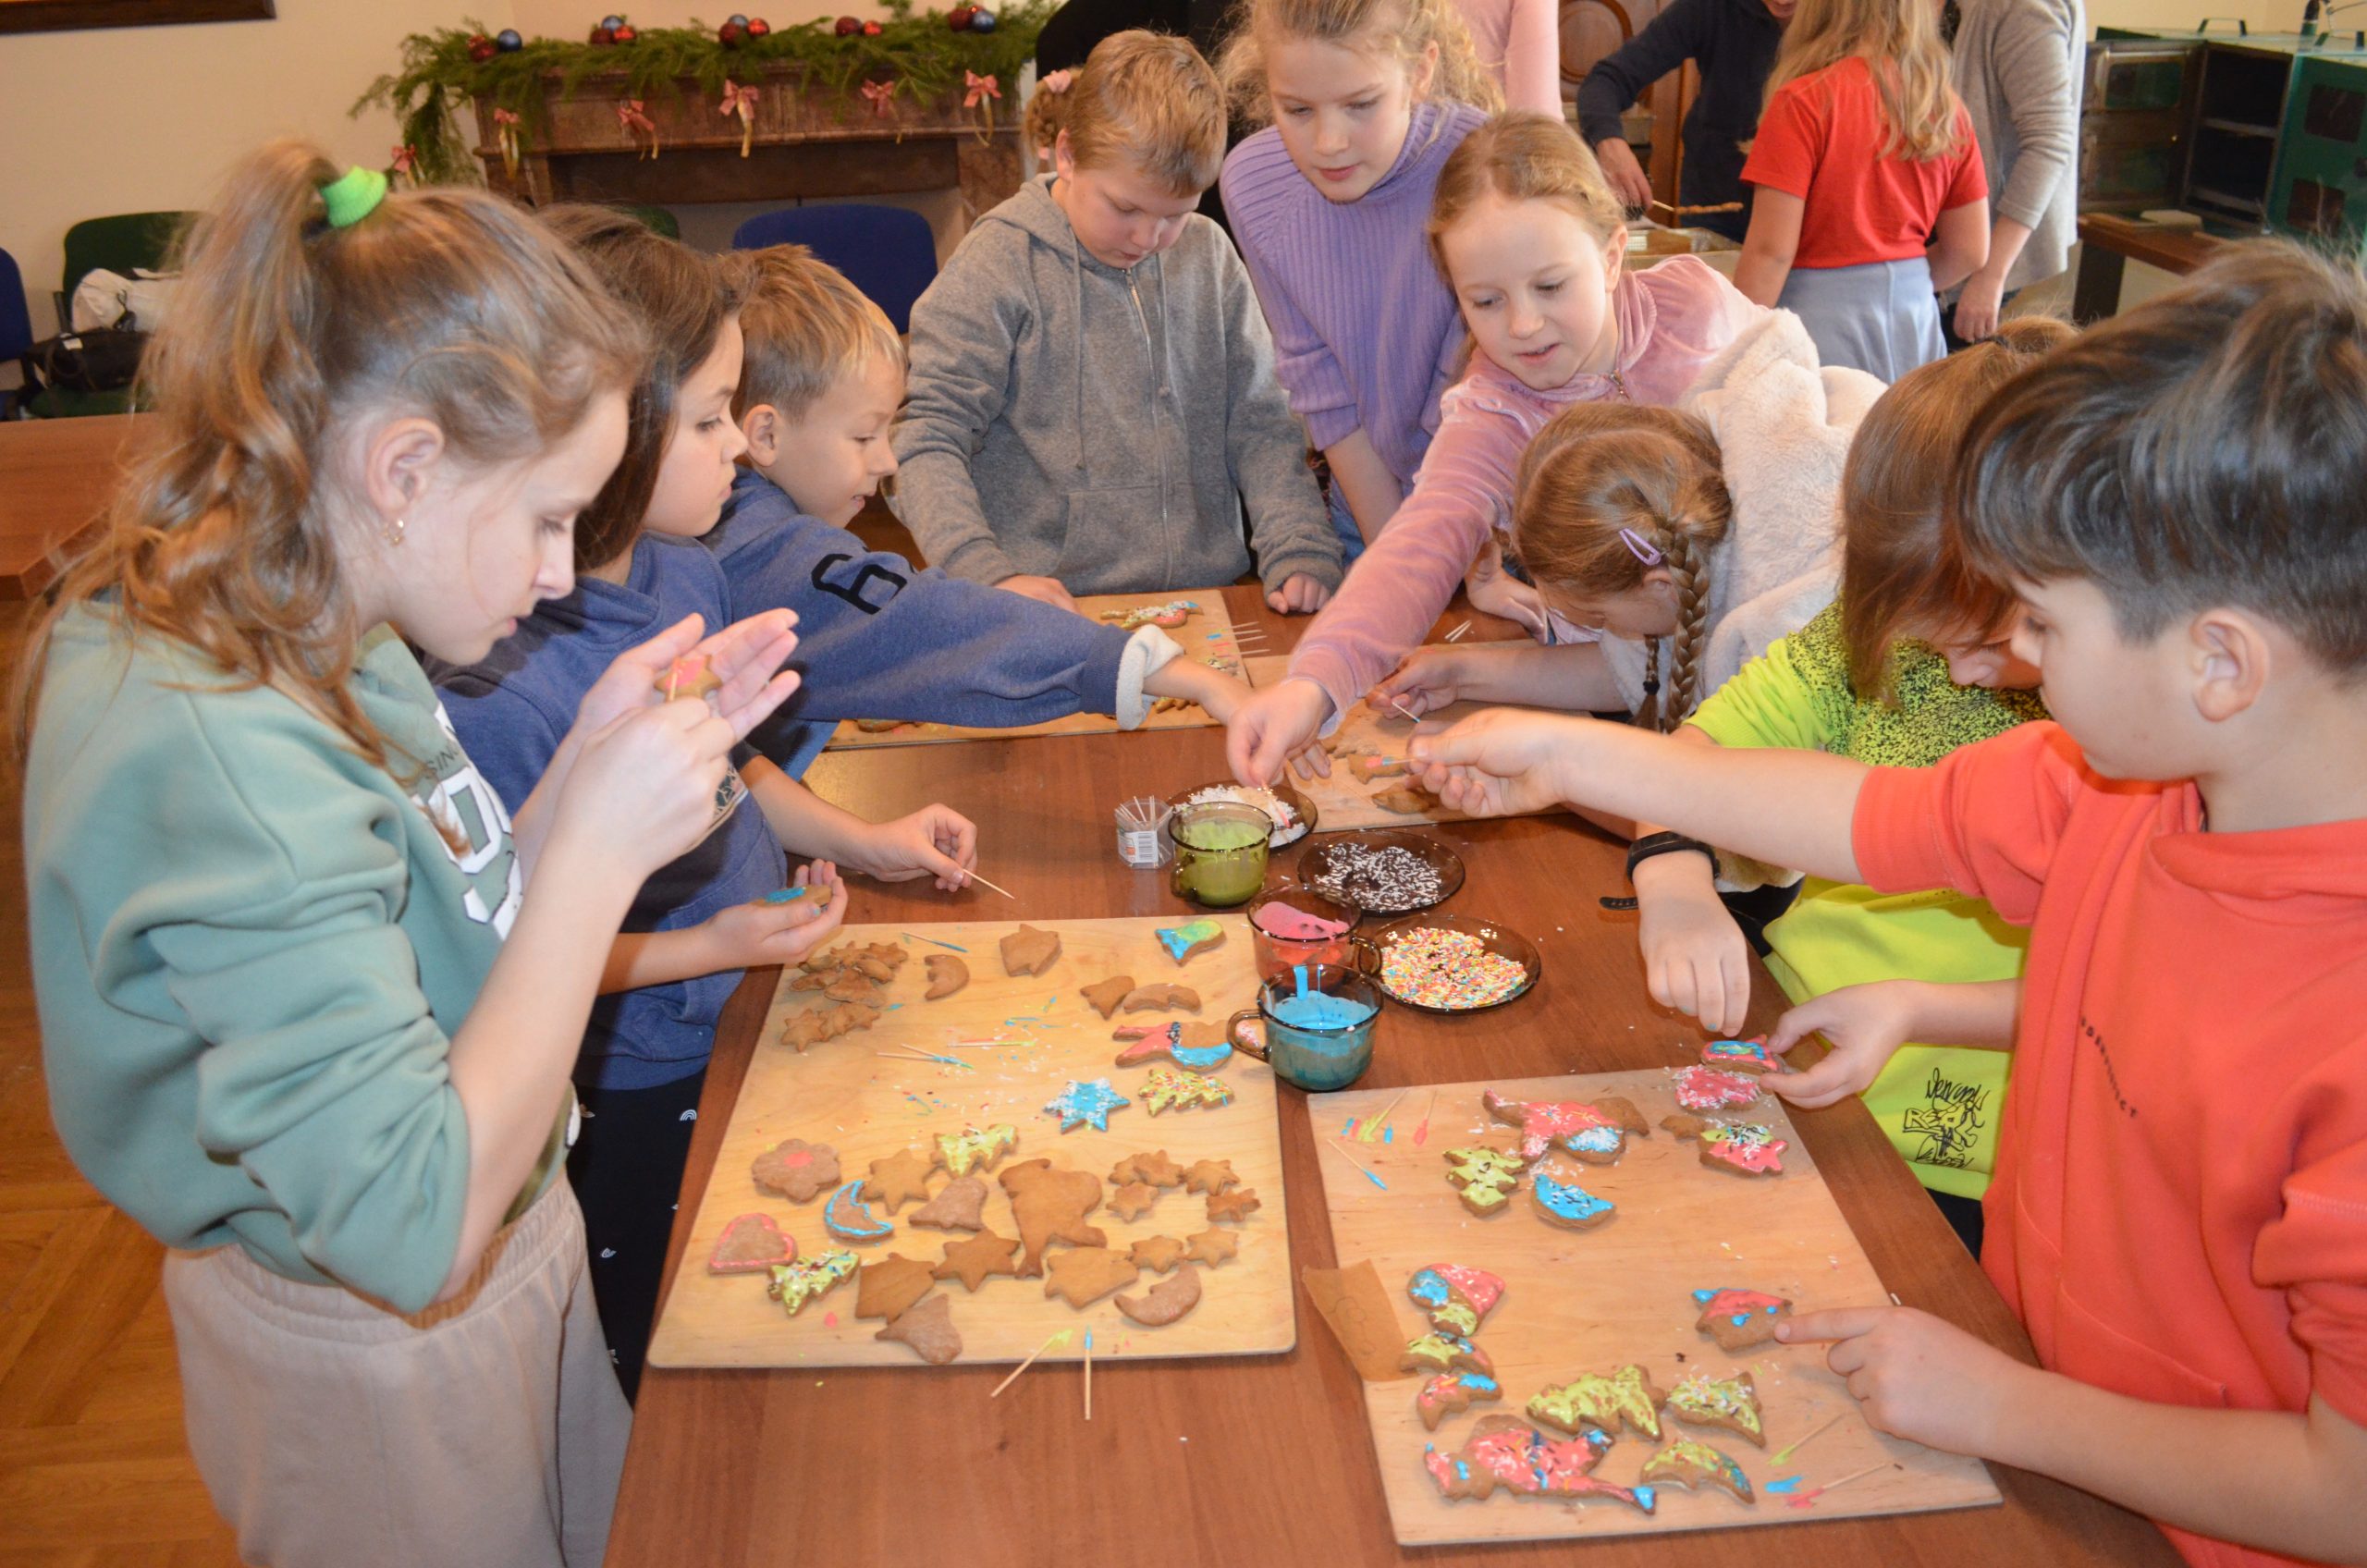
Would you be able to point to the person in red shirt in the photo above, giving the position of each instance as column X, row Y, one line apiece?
column 2179, row 1210
column 1867, row 186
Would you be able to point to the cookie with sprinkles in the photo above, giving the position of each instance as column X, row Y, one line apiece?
column 1450, row 1392
column 1464, row 1295
column 1730, row 1402
column 1444, row 1353
column 1594, row 1131
column 1713, row 1088
column 1694, row 1466
column 1504, row 1451
column 1601, row 1400
column 1567, row 1203
column 1741, row 1055
column 1746, row 1148
column 1487, row 1177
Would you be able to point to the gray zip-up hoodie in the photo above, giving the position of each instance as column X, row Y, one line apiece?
column 1069, row 419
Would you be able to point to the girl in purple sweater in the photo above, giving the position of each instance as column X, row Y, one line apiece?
column 1368, row 98
column 1531, row 241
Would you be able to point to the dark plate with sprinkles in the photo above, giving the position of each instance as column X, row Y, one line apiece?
column 1385, row 872
column 1455, row 964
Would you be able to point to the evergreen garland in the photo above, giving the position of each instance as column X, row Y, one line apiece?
column 919, row 53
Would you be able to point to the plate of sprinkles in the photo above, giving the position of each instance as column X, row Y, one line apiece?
column 1454, row 963
column 1384, row 872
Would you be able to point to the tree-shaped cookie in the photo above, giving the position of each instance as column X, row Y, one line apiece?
column 1488, row 1176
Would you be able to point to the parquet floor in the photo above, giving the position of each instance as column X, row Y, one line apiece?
column 94, row 1471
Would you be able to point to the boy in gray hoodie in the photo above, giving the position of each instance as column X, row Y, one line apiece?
column 1092, row 393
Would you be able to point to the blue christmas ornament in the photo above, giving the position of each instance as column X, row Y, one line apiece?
column 736, row 19
column 982, row 21
column 508, row 41
column 611, row 23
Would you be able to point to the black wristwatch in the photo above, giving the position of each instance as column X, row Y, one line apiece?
column 1652, row 844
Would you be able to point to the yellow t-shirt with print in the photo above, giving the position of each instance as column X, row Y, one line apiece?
column 1939, row 1104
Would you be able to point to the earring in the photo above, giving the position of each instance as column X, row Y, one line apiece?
column 393, row 532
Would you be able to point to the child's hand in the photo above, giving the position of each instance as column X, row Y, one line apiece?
column 641, row 789
column 753, row 936
column 1695, row 958
column 1275, row 725
column 1299, row 595
column 1493, row 591
column 1222, row 694
column 936, row 841
column 1917, row 1377
column 1499, row 762
column 746, row 655
column 1865, row 1025
column 1047, row 589
column 1431, row 677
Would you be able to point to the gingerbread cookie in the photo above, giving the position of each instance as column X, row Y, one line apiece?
column 902, row 1175
column 1051, row 1206
column 1158, row 1254
column 1161, row 997
column 1089, row 1101
column 1187, row 941
column 1365, row 766
column 1595, row 1401
column 1105, row 995
column 1713, row 1088
column 879, row 725
column 1132, row 1201
column 1450, row 1392
column 962, row 1206
column 750, row 1244
column 1746, row 1148
column 688, row 677
column 794, row 1284
column 1405, row 800
column 885, row 1288
column 846, row 1218
column 928, row 1329
column 1167, row 1090
column 1741, row 1055
column 857, row 988
column 1199, row 1047
column 1444, row 1353
column 1595, row 1131
column 1488, row 1177
column 1504, row 1451
column 1693, row 1465
column 1170, row 616
column 1567, row 1203
column 1153, row 1169
column 1238, row 1204
column 1210, row 1176
column 1739, row 1319
column 1730, row 1402
column 975, row 1148
column 973, row 1258
column 1081, row 1276
column 947, row 974
column 796, row 1169
column 1213, row 1246
column 1030, row 951
column 815, row 1025
column 1166, row 1301
column 1463, row 1295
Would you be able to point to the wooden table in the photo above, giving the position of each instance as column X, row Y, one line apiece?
column 1252, row 1461
column 2109, row 242
column 56, row 477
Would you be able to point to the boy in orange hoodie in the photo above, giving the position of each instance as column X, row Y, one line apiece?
column 2179, row 1213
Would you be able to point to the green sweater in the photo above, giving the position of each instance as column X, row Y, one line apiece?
column 1939, row 1106
column 249, row 949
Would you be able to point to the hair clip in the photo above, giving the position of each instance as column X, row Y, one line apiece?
column 354, row 195
column 1641, row 547
column 1057, row 81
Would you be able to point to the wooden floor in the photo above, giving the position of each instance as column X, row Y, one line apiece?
column 93, row 1468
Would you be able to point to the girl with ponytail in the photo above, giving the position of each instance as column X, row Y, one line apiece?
column 298, row 1017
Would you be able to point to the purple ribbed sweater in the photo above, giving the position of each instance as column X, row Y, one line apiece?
column 1366, row 333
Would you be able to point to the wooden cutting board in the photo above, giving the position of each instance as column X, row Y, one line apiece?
column 1341, row 801
column 1590, row 1301
column 1206, row 635
column 868, row 1106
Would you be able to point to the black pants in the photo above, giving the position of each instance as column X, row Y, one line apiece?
column 627, row 1171
column 1963, row 1216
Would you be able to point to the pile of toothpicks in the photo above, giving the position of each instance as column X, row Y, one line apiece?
column 1139, row 842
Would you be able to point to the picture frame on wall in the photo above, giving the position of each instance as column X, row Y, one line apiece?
column 58, row 15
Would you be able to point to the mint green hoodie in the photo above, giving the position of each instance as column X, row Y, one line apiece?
column 250, row 947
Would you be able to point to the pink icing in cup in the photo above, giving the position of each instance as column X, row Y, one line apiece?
column 1291, row 927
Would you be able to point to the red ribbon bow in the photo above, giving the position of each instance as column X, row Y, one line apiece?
column 630, row 116
column 740, row 101
column 406, row 159
column 980, row 87
column 503, row 117
column 505, row 131
column 883, row 97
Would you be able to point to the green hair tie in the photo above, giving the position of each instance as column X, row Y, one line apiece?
column 354, row 195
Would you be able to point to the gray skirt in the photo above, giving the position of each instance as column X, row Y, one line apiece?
column 1880, row 318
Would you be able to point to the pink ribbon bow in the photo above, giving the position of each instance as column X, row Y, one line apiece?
column 406, row 159
column 980, row 87
column 1057, row 81
column 740, row 101
column 631, row 116
column 883, row 97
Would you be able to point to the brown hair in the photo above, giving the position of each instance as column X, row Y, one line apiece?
column 807, row 329
column 1899, row 40
column 1522, row 156
column 2200, row 449
column 1405, row 31
column 1597, row 468
column 445, row 303
column 1898, row 579
column 684, row 298
column 1141, row 99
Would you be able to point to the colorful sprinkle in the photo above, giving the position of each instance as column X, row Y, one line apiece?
column 1450, row 970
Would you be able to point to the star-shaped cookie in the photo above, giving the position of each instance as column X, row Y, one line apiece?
column 1238, row 1204
column 1158, row 1254
column 902, row 1175
column 1210, row 1176
column 1213, row 1246
column 1134, row 1200
column 971, row 1259
column 1153, row 1169
column 1089, row 1101
column 1082, row 1275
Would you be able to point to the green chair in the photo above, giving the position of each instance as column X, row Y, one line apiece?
column 124, row 242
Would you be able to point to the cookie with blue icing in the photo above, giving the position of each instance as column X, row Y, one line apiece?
column 1450, row 1392
column 1567, row 1203
column 1188, row 941
column 847, row 1217
column 1739, row 1318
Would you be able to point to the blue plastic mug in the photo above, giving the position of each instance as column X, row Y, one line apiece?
column 1318, row 1020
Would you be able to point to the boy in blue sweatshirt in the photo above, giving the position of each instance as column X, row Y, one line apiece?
column 822, row 374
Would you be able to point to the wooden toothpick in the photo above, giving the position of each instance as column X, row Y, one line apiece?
column 1343, row 1151
column 1059, row 1338
column 1370, row 1131
column 1784, row 1454
column 984, row 883
column 1815, row 1492
column 1401, row 708
column 1088, row 1374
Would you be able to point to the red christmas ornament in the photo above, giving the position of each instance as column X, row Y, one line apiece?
column 730, row 34
column 871, row 30
column 481, row 48
column 602, row 36
column 958, row 18
column 624, row 34
column 759, row 27
column 848, row 27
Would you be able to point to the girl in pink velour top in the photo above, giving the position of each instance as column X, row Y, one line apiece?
column 1532, row 241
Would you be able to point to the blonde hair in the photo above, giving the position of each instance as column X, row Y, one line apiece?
column 1600, row 472
column 807, row 329
column 448, row 304
column 1405, row 31
column 1899, row 40
column 1522, row 156
column 1141, row 99
column 1898, row 579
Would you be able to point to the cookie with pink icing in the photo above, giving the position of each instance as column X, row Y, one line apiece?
column 1739, row 1319
column 1594, row 1131
column 1458, row 1298
column 1713, row 1088
column 1504, row 1451
column 1746, row 1148
column 1742, row 1056
column 1449, row 1393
